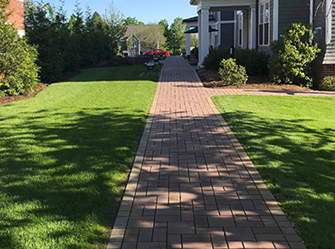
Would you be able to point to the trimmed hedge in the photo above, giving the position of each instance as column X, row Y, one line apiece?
column 255, row 62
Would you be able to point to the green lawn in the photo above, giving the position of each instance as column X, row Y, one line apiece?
column 291, row 141
column 65, row 156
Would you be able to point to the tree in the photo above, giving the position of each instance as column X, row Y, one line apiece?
column 295, row 54
column 194, row 40
column 67, row 45
column 18, row 72
column 178, row 30
column 132, row 21
column 175, row 37
column 116, row 28
column 151, row 37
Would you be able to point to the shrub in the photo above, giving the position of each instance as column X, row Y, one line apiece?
column 328, row 84
column 295, row 54
column 213, row 59
column 231, row 73
column 255, row 62
column 18, row 72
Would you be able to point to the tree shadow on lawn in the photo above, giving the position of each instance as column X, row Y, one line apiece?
column 61, row 175
column 298, row 164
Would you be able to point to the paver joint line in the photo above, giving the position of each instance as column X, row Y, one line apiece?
column 192, row 184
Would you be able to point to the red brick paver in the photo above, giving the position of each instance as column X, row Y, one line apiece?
column 192, row 185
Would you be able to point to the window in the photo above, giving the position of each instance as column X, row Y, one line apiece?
column 240, row 28
column 264, row 26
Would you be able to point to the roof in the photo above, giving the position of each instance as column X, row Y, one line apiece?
column 195, row 19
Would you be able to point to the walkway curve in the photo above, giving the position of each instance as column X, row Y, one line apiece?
column 192, row 185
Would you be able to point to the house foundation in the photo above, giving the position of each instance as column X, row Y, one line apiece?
column 321, row 71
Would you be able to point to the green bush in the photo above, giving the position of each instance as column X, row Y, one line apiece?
column 18, row 72
column 231, row 73
column 328, row 84
column 213, row 59
column 255, row 62
column 295, row 54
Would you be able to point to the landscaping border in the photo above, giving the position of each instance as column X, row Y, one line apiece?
column 120, row 223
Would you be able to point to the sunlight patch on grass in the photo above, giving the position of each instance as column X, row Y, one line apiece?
column 65, row 156
column 291, row 141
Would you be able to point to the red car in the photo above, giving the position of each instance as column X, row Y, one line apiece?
column 158, row 52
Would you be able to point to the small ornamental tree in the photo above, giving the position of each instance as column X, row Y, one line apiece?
column 18, row 72
column 295, row 54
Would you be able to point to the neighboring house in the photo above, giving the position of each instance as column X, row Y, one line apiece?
column 139, row 46
column 130, row 45
column 16, row 18
column 259, row 22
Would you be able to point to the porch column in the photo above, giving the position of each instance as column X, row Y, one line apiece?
column 203, row 34
column 188, row 41
column 252, row 27
column 245, row 29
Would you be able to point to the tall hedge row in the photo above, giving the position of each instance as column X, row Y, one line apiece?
column 67, row 44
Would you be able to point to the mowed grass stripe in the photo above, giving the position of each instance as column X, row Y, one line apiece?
column 291, row 141
column 65, row 156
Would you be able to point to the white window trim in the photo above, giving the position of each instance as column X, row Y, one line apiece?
column 276, row 19
column 261, row 3
column 328, row 13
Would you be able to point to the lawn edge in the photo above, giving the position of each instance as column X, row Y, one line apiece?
column 295, row 241
column 121, row 220
column 292, row 237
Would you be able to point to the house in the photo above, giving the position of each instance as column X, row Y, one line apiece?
column 224, row 25
column 143, row 37
column 130, row 45
column 259, row 22
column 16, row 18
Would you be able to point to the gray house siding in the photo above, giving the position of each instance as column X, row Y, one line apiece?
column 327, row 55
column 227, row 35
column 227, row 15
column 291, row 11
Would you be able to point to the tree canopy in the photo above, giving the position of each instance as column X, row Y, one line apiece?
column 132, row 21
column 151, row 37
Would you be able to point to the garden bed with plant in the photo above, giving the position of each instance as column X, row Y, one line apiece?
column 8, row 99
column 211, row 79
column 289, row 70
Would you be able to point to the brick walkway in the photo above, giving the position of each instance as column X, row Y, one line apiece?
column 192, row 185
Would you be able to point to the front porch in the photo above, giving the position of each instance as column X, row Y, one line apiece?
column 248, row 31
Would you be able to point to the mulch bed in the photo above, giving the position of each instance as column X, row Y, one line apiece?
column 8, row 99
column 253, row 83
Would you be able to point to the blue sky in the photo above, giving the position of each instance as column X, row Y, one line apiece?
column 145, row 10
